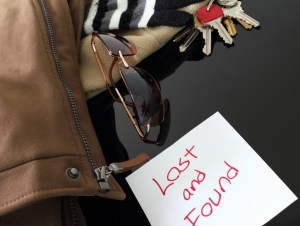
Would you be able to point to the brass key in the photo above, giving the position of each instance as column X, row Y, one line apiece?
column 230, row 26
column 245, row 24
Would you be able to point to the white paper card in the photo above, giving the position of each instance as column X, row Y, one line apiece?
column 209, row 177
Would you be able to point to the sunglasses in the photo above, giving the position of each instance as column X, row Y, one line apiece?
column 142, row 99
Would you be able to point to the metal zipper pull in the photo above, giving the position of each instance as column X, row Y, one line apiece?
column 103, row 173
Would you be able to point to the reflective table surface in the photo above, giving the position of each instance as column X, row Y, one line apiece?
column 255, row 85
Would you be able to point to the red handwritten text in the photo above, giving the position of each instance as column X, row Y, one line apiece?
column 188, row 193
column 207, row 209
column 175, row 171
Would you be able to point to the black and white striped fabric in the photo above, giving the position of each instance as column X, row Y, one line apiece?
column 105, row 15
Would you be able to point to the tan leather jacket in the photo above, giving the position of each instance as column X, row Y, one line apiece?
column 48, row 147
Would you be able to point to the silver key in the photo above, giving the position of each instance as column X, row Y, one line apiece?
column 183, row 33
column 189, row 40
column 216, row 24
column 191, row 37
column 237, row 12
column 206, row 34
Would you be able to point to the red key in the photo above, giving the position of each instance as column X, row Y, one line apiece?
column 205, row 16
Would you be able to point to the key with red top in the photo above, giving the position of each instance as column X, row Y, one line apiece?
column 213, row 17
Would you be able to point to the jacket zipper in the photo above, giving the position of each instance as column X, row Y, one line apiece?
column 99, row 171
column 103, row 181
column 73, row 209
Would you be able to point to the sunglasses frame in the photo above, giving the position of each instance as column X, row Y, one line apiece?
column 134, row 119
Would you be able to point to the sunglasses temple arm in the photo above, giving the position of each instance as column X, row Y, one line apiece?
column 102, row 71
column 99, row 62
column 129, row 115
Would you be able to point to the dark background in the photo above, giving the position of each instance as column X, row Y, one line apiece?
column 254, row 85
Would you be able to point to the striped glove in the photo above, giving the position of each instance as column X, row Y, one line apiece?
column 105, row 15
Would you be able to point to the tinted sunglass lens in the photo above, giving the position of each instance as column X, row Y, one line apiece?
column 115, row 43
column 145, row 94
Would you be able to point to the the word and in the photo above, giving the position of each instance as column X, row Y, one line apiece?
column 207, row 208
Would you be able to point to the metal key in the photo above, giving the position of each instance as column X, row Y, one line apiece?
column 206, row 35
column 189, row 40
column 237, row 12
column 227, row 21
column 184, row 32
column 191, row 37
column 229, row 4
column 244, row 24
column 230, row 26
column 213, row 18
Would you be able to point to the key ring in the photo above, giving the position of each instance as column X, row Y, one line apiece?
column 209, row 5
